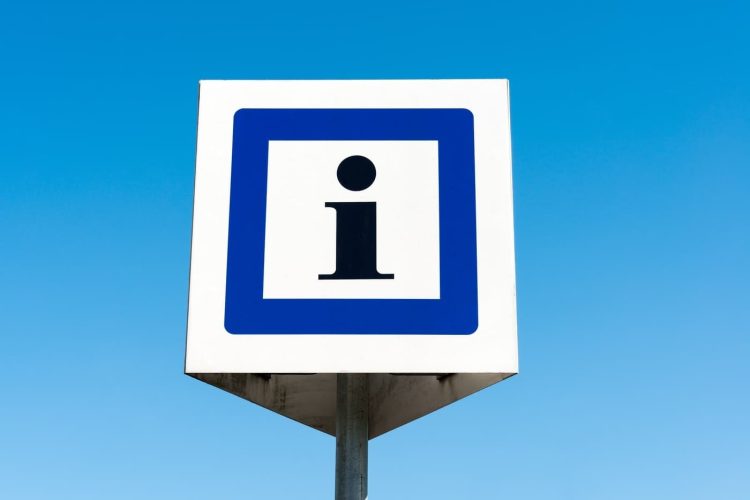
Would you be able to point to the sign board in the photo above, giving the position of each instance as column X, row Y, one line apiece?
column 352, row 227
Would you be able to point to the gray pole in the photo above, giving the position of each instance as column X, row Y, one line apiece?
column 351, row 436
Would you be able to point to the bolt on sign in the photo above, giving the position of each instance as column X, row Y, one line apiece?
column 353, row 227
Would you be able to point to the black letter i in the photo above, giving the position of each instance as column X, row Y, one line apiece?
column 356, row 229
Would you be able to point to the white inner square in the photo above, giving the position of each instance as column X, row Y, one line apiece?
column 300, row 239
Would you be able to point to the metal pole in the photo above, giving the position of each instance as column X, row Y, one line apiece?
column 351, row 436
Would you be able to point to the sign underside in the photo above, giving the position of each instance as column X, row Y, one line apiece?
column 394, row 399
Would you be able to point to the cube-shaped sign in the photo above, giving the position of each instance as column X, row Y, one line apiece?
column 352, row 226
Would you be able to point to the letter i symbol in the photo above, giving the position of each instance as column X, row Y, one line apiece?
column 356, row 229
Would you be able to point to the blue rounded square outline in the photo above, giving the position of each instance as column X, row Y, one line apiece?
column 454, row 313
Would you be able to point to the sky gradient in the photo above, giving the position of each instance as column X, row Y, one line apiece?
column 631, row 156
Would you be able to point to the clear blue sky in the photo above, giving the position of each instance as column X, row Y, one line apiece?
column 631, row 137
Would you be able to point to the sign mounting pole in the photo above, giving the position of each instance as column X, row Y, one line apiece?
column 352, row 415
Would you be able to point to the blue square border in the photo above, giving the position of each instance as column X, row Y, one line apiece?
column 454, row 313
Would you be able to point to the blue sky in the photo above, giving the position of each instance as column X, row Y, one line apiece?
column 631, row 146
